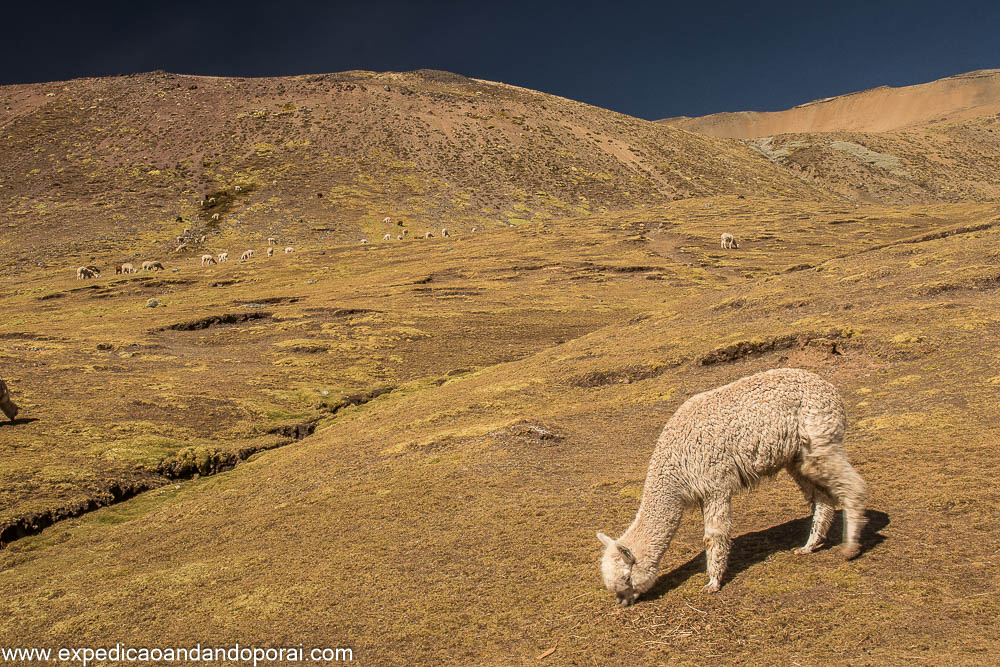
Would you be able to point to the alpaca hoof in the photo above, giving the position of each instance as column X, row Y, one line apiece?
column 803, row 551
column 711, row 587
column 849, row 551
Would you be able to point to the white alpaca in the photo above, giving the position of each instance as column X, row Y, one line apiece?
column 473, row 229
column 728, row 242
column 84, row 272
column 247, row 254
column 223, row 257
column 725, row 440
column 270, row 252
column 387, row 220
column 364, row 241
column 215, row 216
column 207, row 259
column 128, row 268
column 289, row 249
column 444, row 233
column 238, row 189
column 211, row 200
column 387, row 237
column 272, row 241
column 182, row 247
column 152, row 266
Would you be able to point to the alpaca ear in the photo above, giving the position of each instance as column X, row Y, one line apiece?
column 605, row 540
column 627, row 555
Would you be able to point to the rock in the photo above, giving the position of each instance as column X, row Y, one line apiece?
column 152, row 303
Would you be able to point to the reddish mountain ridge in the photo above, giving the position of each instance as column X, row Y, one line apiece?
column 952, row 99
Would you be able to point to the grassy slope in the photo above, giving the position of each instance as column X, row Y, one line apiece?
column 432, row 523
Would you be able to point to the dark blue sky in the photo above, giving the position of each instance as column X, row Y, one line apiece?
column 651, row 60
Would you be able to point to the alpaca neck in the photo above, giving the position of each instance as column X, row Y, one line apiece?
column 653, row 528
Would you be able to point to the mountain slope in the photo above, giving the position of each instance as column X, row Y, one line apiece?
column 952, row 99
column 329, row 156
column 934, row 142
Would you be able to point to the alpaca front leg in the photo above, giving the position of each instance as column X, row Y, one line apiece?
column 718, row 530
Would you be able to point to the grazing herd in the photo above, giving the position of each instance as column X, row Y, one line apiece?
column 728, row 242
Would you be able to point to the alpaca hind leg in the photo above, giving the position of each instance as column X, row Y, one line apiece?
column 823, row 510
column 832, row 471
column 718, row 516
column 853, row 493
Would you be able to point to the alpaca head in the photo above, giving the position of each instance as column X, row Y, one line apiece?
column 623, row 576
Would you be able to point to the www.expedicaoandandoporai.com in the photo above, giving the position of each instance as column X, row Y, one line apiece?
column 198, row 653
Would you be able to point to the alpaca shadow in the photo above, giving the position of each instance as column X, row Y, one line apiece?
column 753, row 548
column 18, row 421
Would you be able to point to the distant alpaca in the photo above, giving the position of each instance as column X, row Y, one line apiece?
column 270, row 251
column 725, row 440
column 128, row 268
column 444, row 233
column 152, row 266
column 728, row 242
column 215, row 216
column 207, row 259
column 223, row 257
column 289, row 249
column 247, row 254
column 272, row 241
column 238, row 189
column 84, row 272
column 387, row 220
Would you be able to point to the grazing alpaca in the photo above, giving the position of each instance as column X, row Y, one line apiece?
column 223, row 257
column 207, row 259
column 728, row 242
column 725, row 440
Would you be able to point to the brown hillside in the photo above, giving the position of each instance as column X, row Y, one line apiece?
column 952, row 99
column 329, row 156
